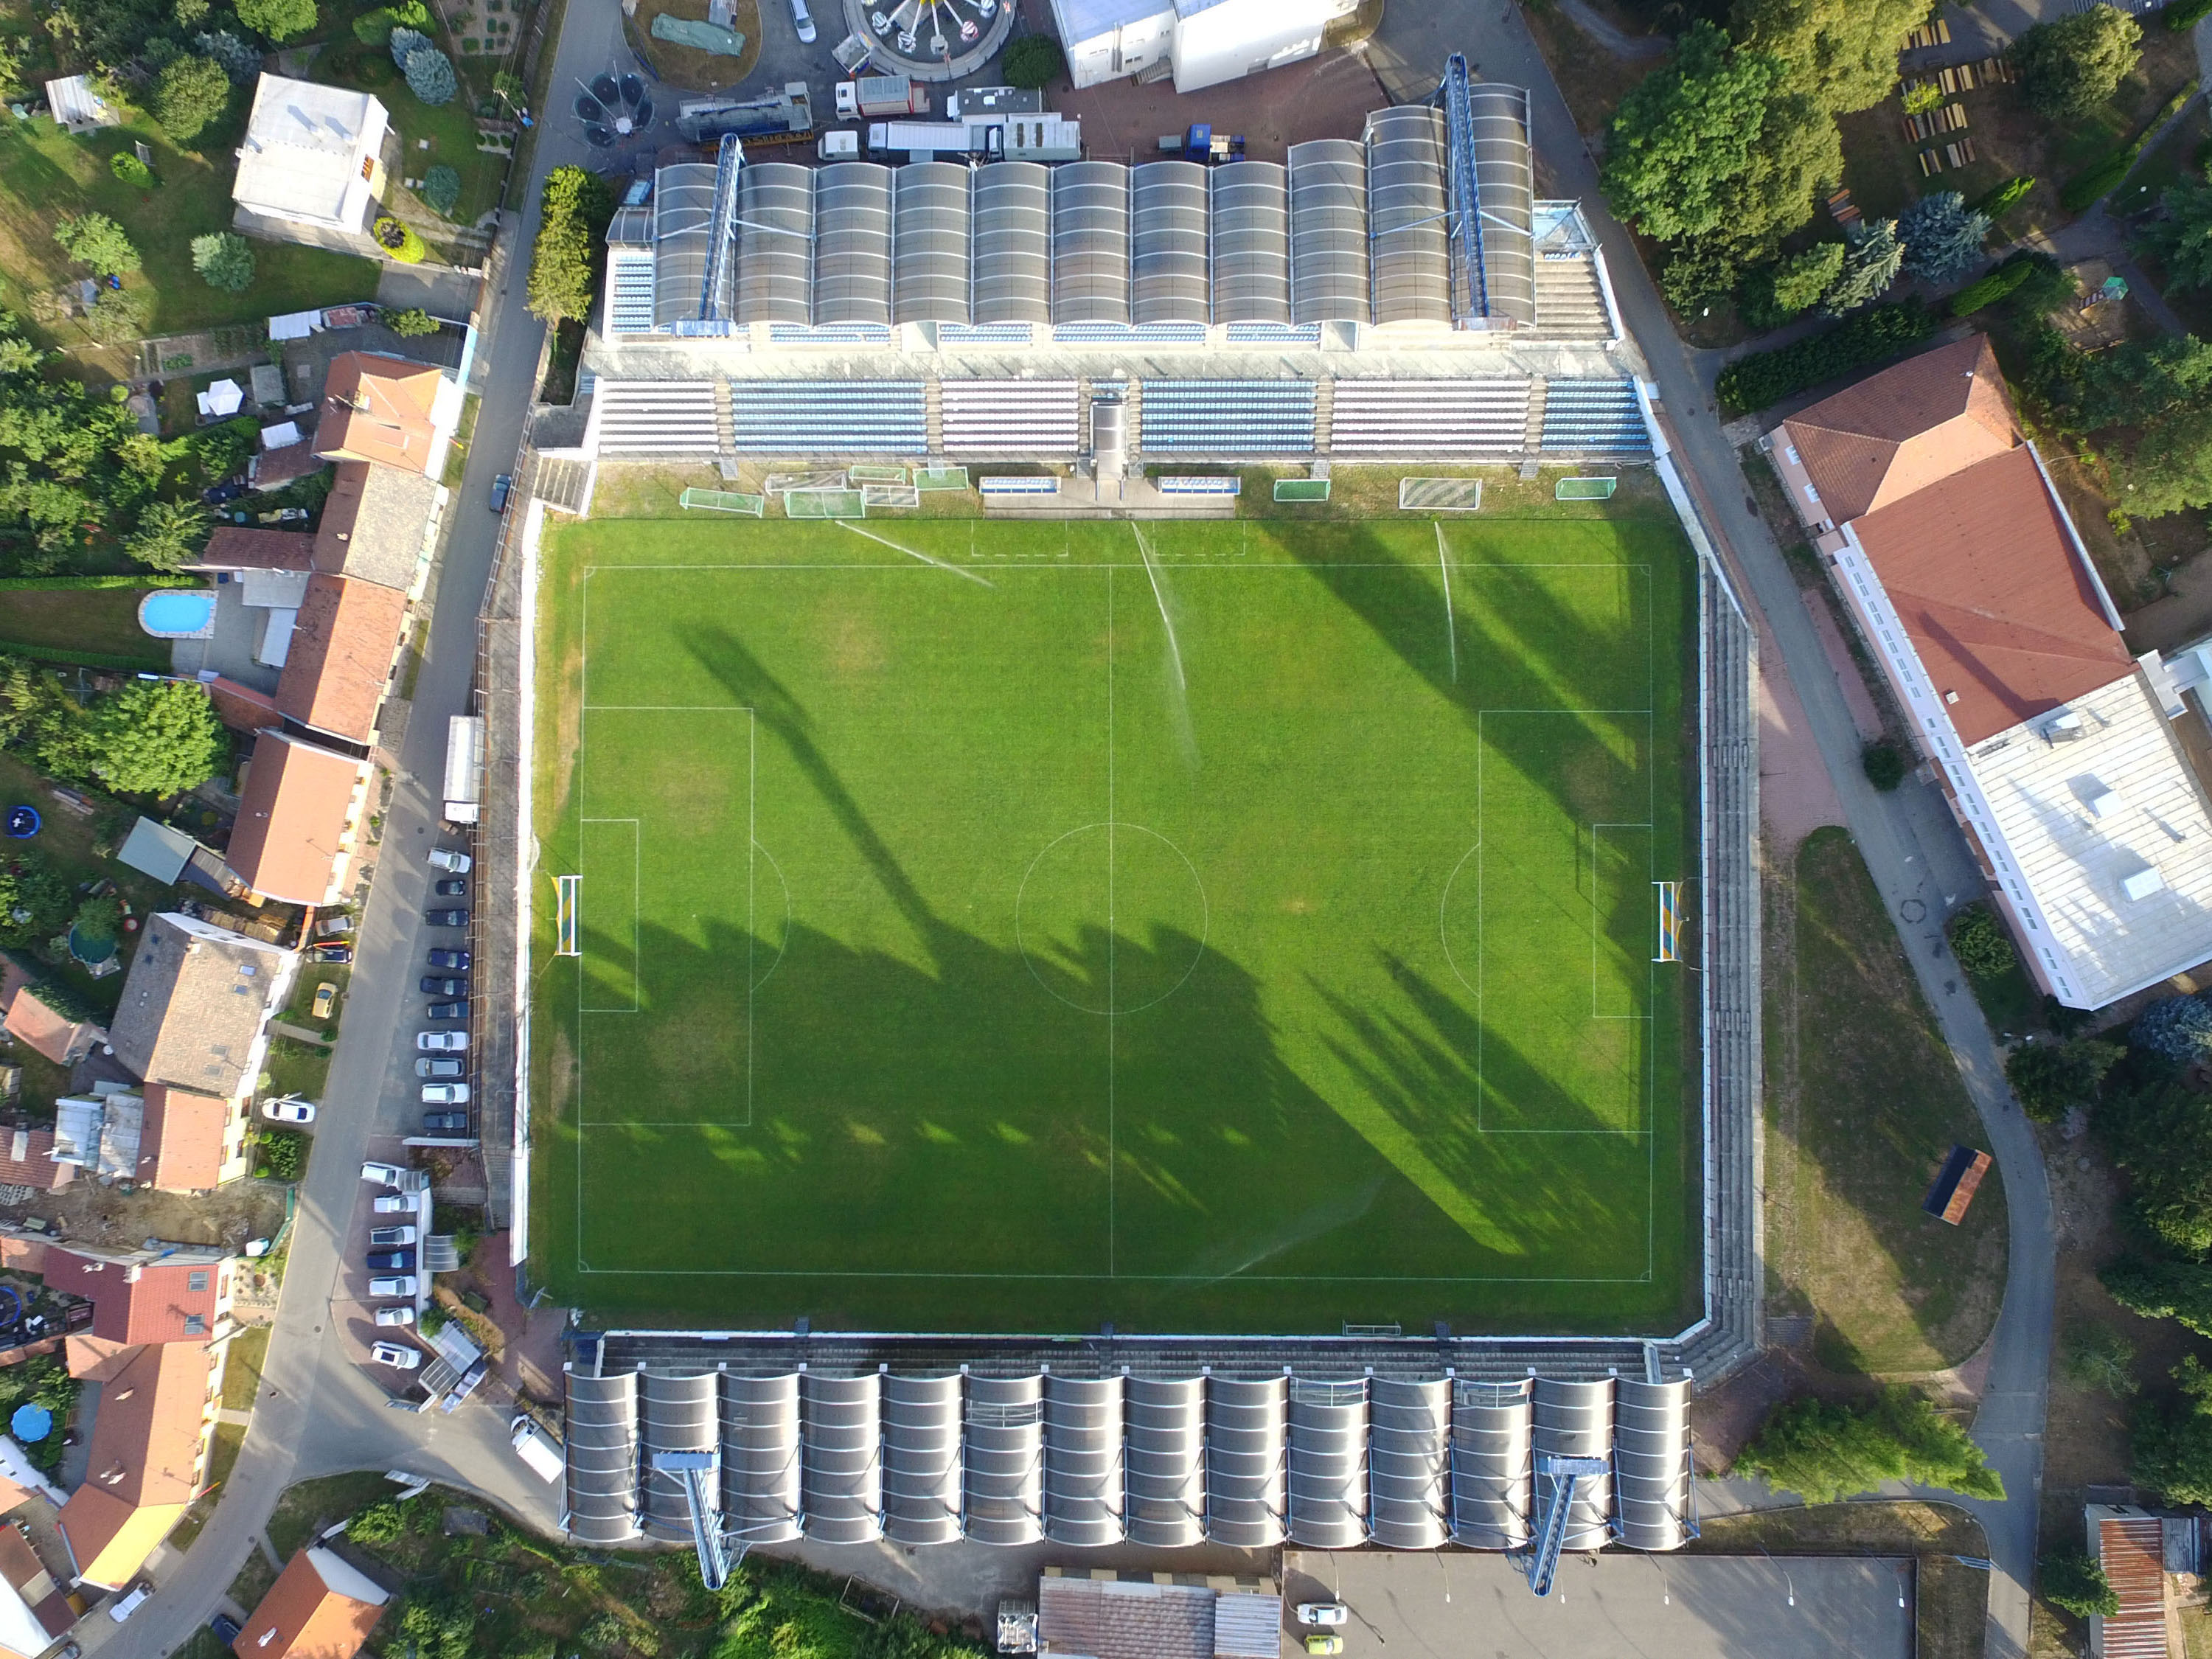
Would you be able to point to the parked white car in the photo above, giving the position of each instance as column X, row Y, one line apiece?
column 1322, row 1613
column 394, row 1355
column 290, row 1109
column 442, row 1042
column 384, row 1175
column 123, row 1606
column 399, row 1204
column 402, row 1315
column 453, row 863
column 445, row 1094
column 799, row 15
column 397, row 1284
column 387, row 1239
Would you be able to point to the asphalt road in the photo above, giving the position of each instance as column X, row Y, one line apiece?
column 1915, row 853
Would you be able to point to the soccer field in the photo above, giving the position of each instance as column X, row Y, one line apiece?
column 1230, row 926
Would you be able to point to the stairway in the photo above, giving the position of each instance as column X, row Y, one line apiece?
column 1324, row 412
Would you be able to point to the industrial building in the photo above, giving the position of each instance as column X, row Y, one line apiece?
column 1201, row 43
column 1396, row 295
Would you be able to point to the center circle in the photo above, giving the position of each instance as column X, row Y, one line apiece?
column 1111, row 918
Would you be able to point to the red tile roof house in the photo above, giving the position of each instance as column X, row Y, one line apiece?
column 31, row 1020
column 1956, row 560
column 321, row 1607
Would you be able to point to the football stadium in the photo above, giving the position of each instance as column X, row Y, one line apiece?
column 1139, row 922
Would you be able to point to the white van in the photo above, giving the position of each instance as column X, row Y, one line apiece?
column 533, row 1448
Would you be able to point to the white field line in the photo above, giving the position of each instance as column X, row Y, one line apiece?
column 1152, row 574
column 968, row 575
column 1451, row 629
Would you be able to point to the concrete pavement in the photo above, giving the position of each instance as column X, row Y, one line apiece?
column 319, row 1412
column 1919, row 860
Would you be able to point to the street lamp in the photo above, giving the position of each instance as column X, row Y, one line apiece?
column 1446, row 1570
column 1788, row 1584
column 1666, row 1591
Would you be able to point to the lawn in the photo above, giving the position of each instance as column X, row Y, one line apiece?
column 430, row 135
column 242, row 1371
column 45, row 174
column 1243, row 926
column 1857, row 1125
column 103, row 621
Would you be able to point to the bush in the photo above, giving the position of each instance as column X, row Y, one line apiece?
column 2187, row 14
column 405, row 43
column 118, row 319
column 1034, row 61
column 374, row 29
column 283, row 1154
column 1697, row 273
column 224, row 261
column 1979, row 941
column 379, row 1523
column 1824, row 1452
column 441, row 190
column 1775, row 293
column 2098, row 1357
column 2178, row 1029
column 1884, row 765
column 1762, row 378
column 2002, row 199
column 2101, row 178
column 279, row 19
column 190, row 96
column 430, row 77
column 2071, row 1580
column 2180, row 1290
column 240, row 60
column 128, row 169
column 2052, row 1079
column 412, row 323
column 1997, row 285
column 399, row 241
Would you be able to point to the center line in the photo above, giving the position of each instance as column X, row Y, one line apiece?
column 1109, row 921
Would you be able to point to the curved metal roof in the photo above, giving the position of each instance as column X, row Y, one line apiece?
column 1490, row 1465
column 1251, row 242
column 760, row 1457
column 1247, row 1489
column 677, row 1413
column 922, row 1459
column 843, row 1480
column 1329, row 1464
column 929, row 243
column 1166, row 1460
column 601, row 1485
column 1407, row 210
column 1575, row 1419
column 1329, row 272
column 852, row 243
column 1409, row 1463
column 1011, row 227
column 1167, row 243
column 1083, row 1464
column 1091, row 242
column 1005, row 1460
column 1505, row 183
column 775, row 244
column 1652, row 1438
column 682, row 219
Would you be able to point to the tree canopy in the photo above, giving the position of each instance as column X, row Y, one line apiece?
column 2070, row 66
column 190, row 95
column 1825, row 1452
column 1871, row 261
column 1683, row 139
column 430, row 75
column 94, row 240
column 1840, row 53
column 224, row 261
column 279, row 19
column 2173, row 1448
column 2182, row 237
column 563, row 264
column 146, row 738
column 1942, row 237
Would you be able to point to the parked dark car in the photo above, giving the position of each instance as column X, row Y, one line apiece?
column 216, row 495
column 446, row 918
column 391, row 1262
column 332, row 953
column 501, row 488
column 434, row 986
column 448, row 1011
column 444, row 1123
column 451, row 887
column 456, row 960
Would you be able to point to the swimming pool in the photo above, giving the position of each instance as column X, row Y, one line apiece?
column 171, row 613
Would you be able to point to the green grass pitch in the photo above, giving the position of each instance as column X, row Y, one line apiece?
column 1233, row 926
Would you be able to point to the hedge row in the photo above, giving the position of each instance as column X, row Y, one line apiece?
column 55, row 584
column 2187, row 14
column 1994, row 286
column 1767, row 377
column 2100, row 179
column 83, row 658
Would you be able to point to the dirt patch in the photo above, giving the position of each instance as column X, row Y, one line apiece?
column 685, row 68
column 86, row 1213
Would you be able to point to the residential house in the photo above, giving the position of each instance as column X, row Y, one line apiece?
column 298, row 816
column 34, row 1614
column 343, row 648
column 389, row 412
column 380, row 525
column 191, row 1142
column 2051, row 742
column 147, row 1455
column 321, row 1607
column 33, row 1021
column 311, row 167
column 182, row 1294
column 27, row 1159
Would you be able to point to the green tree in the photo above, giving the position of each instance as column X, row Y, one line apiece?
column 509, row 89
column 430, row 75
column 1825, row 1452
column 118, row 317
column 1697, row 272
column 129, row 170
column 153, row 737
column 411, row 323
column 2052, row 1079
column 224, row 261
column 240, row 60
column 169, row 536
column 34, row 902
column 1034, row 61
column 2098, row 1357
column 191, row 96
column 2159, row 1131
column 2070, row 66
column 2072, row 1581
column 575, row 208
column 95, row 241
column 2182, row 239
column 1683, row 142
column 2172, row 1449
column 1871, row 262
column 279, row 19
column 2178, row 1029
column 1942, row 237
column 1981, row 943
column 2171, row 467
column 441, row 190
column 1840, row 53
column 2180, row 1291
column 404, row 42
column 2001, row 199
column 1800, row 279
column 374, row 29
column 1883, row 763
